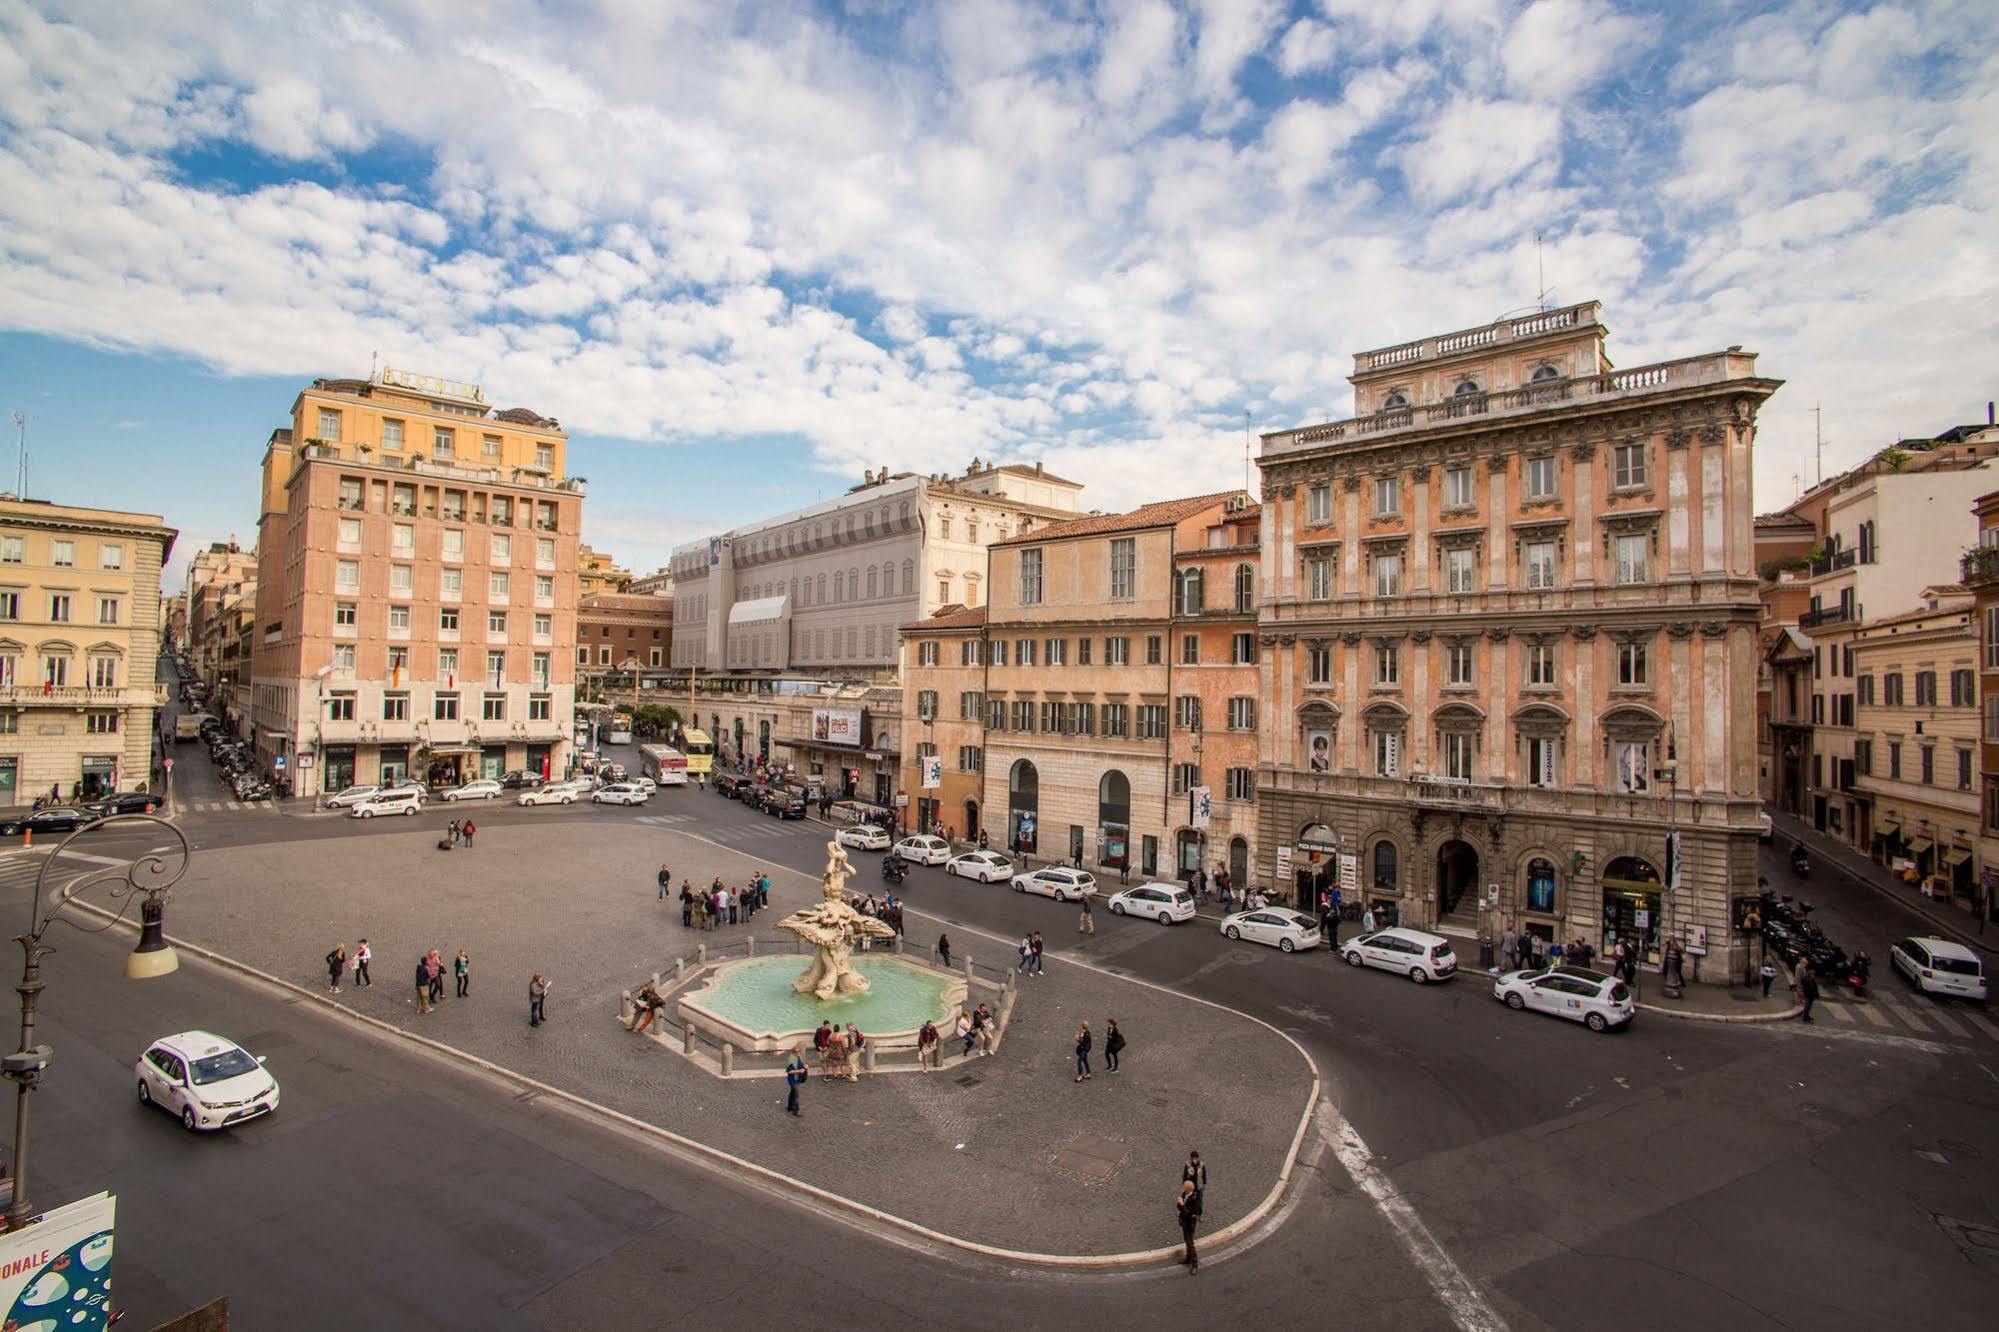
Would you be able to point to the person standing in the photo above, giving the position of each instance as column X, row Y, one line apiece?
column 735, row 907
column 423, row 984
column 1367, row 921
column 686, row 904
column 537, row 1000
column 944, row 949
column 363, row 955
column 1196, row 1174
column 1034, row 943
column 466, row 830
column 461, row 968
column 985, row 1024
column 926, row 1046
column 1808, row 990
column 1088, row 923
column 336, row 962
column 1509, row 950
column 665, row 882
column 1769, row 974
column 794, row 1077
column 1083, row 1052
column 1113, row 1044
column 1189, row 1211
column 451, row 832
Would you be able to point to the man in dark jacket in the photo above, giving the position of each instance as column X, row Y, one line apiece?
column 1189, row 1210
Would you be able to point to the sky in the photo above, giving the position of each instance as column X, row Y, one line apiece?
column 745, row 253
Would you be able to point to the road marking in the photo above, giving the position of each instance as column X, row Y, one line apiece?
column 1948, row 1023
column 1914, row 1020
column 1876, row 1016
column 1984, row 1027
column 1839, row 1011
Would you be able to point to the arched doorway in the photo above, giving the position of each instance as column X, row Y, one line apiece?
column 1316, row 867
column 1023, row 801
column 1114, row 819
column 972, row 820
column 1385, row 874
column 1457, row 881
column 1239, row 860
column 1631, row 901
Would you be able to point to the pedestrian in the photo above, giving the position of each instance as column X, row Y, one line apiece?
column 822, row 1045
column 856, row 1042
column 735, row 904
column 836, row 1054
column 1034, row 941
column 1113, row 1044
column 645, row 1005
column 926, row 1046
column 451, row 832
column 963, row 1031
column 1026, row 954
column 1083, row 1052
column 987, row 1026
column 686, row 904
column 700, row 906
column 982, row 839
column 537, row 1000
column 665, row 882
column 1509, row 950
column 1808, row 990
column 944, row 949
column 363, row 955
column 1554, row 953
column 1769, row 974
column 1088, row 923
column 1189, row 1211
column 465, row 830
column 436, row 964
column 1367, row 921
column 423, row 984
column 461, row 968
column 795, row 1074
column 336, row 962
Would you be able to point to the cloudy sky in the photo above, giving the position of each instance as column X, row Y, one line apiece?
column 744, row 253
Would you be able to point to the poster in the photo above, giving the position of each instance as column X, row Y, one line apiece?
column 1201, row 801
column 933, row 772
column 1319, row 750
column 1023, row 835
column 1541, row 891
column 1113, row 841
column 1349, row 874
column 57, row 1272
column 837, row 726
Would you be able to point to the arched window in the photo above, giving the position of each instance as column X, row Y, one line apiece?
column 819, row 596
column 839, row 587
column 873, row 589
column 908, row 577
column 1387, row 868
column 1191, row 592
column 1466, row 388
column 1245, row 589
column 1395, row 402
column 1545, row 372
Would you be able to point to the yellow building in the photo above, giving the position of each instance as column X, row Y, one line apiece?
column 79, row 648
column 944, row 718
column 597, row 572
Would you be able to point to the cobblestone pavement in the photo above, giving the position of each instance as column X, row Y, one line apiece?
column 1008, row 1151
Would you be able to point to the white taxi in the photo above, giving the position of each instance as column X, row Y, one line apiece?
column 1167, row 903
column 923, row 850
column 1597, row 1001
column 863, row 837
column 208, row 1081
column 1057, row 881
column 985, row 866
column 401, row 800
column 1419, row 956
column 618, row 793
column 1279, row 927
column 555, row 793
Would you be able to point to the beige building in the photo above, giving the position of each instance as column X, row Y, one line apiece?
column 658, row 583
column 944, row 714
column 841, row 738
column 1979, row 572
column 79, row 648
column 223, row 572
column 1916, row 742
column 597, row 572
column 417, row 594
column 1509, row 631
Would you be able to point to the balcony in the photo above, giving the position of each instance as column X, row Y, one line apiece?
column 1833, row 563
column 1835, row 614
column 62, row 696
column 1979, row 566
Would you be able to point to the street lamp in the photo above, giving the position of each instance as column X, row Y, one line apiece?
column 631, row 664
column 1669, row 769
column 146, row 880
column 319, row 736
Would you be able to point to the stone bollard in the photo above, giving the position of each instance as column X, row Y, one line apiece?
column 679, row 968
column 655, row 980
column 687, row 1039
column 625, row 1007
column 701, row 954
column 898, row 945
column 752, row 941
column 868, row 1057
column 728, row 1059
column 968, row 968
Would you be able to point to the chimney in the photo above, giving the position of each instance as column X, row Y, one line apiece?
column 1988, row 414
column 1037, row 472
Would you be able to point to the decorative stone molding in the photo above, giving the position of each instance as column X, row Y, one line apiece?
column 1350, row 482
column 1495, row 464
column 1419, row 636
column 1641, row 634
column 1679, row 438
column 1583, row 452
column 1680, row 630
column 1583, row 633
column 1713, row 434
column 1267, row 640
column 1460, row 539
column 1714, row 628
column 1350, row 637
column 1420, row 474
column 1497, row 633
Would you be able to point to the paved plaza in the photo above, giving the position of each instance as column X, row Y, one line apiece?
column 1007, row 1151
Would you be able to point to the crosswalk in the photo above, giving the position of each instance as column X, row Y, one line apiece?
column 19, row 869
column 1893, row 1010
column 733, row 834
column 224, row 806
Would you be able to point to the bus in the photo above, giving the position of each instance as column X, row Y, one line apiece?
column 666, row 765
column 619, row 730
column 700, row 751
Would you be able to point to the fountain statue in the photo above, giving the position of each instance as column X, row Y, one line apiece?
column 832, row 927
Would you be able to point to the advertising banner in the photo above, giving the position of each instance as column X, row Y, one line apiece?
column 933, row 773
column 837, row 726
column 1202, row 806
column 57, row 1272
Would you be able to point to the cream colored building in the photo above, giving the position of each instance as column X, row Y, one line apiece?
column 223, row 572
column 79, row 648
column 944, row 716
column 597, row 572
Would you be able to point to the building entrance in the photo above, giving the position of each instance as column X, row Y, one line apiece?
column 1631, row 889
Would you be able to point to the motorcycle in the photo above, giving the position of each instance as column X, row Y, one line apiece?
column 894, row 870
column 1801, row 864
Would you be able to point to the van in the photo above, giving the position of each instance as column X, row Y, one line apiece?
column 1938, row 966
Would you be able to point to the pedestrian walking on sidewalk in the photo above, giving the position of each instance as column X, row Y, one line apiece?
column 1026, row 954
column 363, row 955
column 1083, row 1052
column 1769, row 974
column 537, row 1001
column 944, row 949
column 1808, row 990
column 461, row 968
column 795, row 1074
column 423, row 984
column 1034, row 943
column 1088, row 923
column 1113, row 1044
column 665, row 882
column 435, row 961
column 1189, row 1211
column 451, row 832
column 1509, row 950
column 466, row 830
column 336, row 962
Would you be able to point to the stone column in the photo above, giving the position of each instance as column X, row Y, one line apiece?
column 1714, row 523
column 1583, row 536
column 1350, row 529
column 1351, row 739
column 1417, row 650
column 1587, row 705
column 1715, row 698
column 1500, row 759
column 1420, row 552
column 1676, row 460
column 1498, row 549
column 1680, row 703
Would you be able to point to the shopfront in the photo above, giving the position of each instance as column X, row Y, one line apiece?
column 339, row 773
column 1631, row 900
column 1023, row 800
column 1114, row 820
column 446, row 766
column 493, row 762
column 100, row 776
column 1316, row 867
column 541, row 760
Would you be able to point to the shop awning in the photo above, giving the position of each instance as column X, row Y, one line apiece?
column 1888, row 828
column 1956, row 856
column 1921, row 846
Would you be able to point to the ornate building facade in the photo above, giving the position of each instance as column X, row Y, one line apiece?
column 1509, row 640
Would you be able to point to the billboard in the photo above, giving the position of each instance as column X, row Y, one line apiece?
column 837, row 726
column 58, row 1270
column 933, row 772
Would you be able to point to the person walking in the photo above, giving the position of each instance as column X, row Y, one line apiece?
column 1196, row 1174
column 1026, row 954
column 944, row 949
column 665, row 882
column 645, row 1004
column 466, row 830
column 1034, row 943
column 451, row 832
column 1769, row 974
column 537, row 1000
column 1189, row 1211
column 1509, row 950
column 461, row 969
column 1083, row 1052
column 1808, row 990
column 423, row 984
column 795, row 1074
column 686, row 904
column 336, row 962
column 1087, row 924
column 1113, row 1044
column 926, row 1046
column 363, row 955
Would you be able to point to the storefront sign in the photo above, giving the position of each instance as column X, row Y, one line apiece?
column 1283, row 865
column 1349, row 874
column 58, row 1270
column 837, row 726
column 433, row 385
column 1314, row 846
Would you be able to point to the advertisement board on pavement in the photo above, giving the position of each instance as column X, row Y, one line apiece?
column 57, row 1271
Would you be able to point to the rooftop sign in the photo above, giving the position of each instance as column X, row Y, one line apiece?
column 432, row 385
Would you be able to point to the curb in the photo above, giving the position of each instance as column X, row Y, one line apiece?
column 703, row 1154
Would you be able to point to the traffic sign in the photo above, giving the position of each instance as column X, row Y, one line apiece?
column 278, row 762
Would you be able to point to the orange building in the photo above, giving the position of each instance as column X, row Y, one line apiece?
column 1213, row 639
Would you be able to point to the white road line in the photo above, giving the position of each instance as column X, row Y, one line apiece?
column 1840, row 1011
column 1948, row 1023
column 1876, row 1016
column 1984, row 1027
column 1913, row 1019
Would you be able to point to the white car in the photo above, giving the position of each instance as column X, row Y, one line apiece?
column 1597, row 1001
column 209, row 1082
column 863, row 837
column 483, row 789
column 1938, row 966
column 1280, row 927
column 351, row 797
column 407, row 784
column 1057, row 881
column 1419, row 956
column 924, row 850
column 985, row 866
column 618, row 793
column 1766, row 827
column 646, row 784
column 403, row 800
column 555, row 793
column 1167, row 903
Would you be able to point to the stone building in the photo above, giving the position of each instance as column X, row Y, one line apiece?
column 944, row 716
column 622, row 635
column 597, row 572
column 417, row 587
column 79, row 648
column 223, row 572
column 1785, row 543
column 1509, row 633
column 1978, row 570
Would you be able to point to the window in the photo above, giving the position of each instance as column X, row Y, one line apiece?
column 104, row 672
column 968, row 652
column 1242, row 714
column 107, row 613
column 1387, row 664
column 503, row 548
column 1116, row 721
column 395, row 707
column 1964, row 770
column 404, row 503
column 998, row 650
column 1628, row 466
column 403, row 539
column 399, row 618
column 1891, row 690
column 1459, row 663
column 493, row 707
column 350, row 534
column 1388, row 575
column 1245, row 589
column 55, row 670
column 540, row 707
column 1387, row 495
column 62, row 554
column 496, row 667
column 538, row 669
column 1319, row 506
column 1541, row 478
column 329, row 426
column 1460, row 569
column 971, row 705
column 454, row 543
column 1187, row 712
column 340, row 707
column 447, row 665
column 926, row 704
column 447, row 620
column 1458, row 492
column 1193, row 592
column 13, row 550
column 1539, row 557
column 401, row 578
column 1459, row 750
column 1631, row 665
column 1963, row 689
column 1991, row 639
column 498, row 585
column 1926, row 689
column 1242, row 649
column 496, row 624
column 59, row 607
column 110, row 555
column 1058, row 652
column 350, row 493
column 1319, row 578
column 10, row 605
column 1633, row 760
column 1541, row 664
column 9, row 677
column 544, row 556
column 926, row 654
column 1155, row 649
column 1929, row 753
column 444, row 707
column 100, row 723
column 544, row 590
column 1894, row 759
column 1083, row 651
column 1152, row 721
column 1023, row 652
column 1030, row 578
column 1541, row 762
column 1117, row 651
column 343, row 657
column 1631, row 561
column 1190, row 649
column 1387, row 747
column 1240, row 784
column 1319, row 664
column 1863, row 757
column 1124, row 568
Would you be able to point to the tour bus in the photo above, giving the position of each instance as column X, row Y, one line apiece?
column 666, row 765
column 619, row 731
column 700, row 751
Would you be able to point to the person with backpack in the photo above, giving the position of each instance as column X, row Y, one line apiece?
column 795, row 1074
column 1113, row 1044
column 336, row 962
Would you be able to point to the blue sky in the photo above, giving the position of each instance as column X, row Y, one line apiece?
column 746, row 253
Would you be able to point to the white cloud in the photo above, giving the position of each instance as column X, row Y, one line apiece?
column 1308, row 46
column 1556, row 48
column 1472, row 146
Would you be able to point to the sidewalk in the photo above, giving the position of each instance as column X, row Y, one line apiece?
column 1829, row 852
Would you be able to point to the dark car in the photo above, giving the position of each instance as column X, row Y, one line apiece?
column 783, row 802
column 60, row 819
column 125, row 802
column 522, row 781
column 731, row 784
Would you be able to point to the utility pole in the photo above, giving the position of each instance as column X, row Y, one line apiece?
column 21, row 420
column 1818, row 439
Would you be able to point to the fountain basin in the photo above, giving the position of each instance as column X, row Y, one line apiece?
column 750, row 1002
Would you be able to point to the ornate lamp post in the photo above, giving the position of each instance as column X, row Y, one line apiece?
column 146, row 880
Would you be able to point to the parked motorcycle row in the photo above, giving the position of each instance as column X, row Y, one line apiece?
column 1788, row 930
column 237, row 764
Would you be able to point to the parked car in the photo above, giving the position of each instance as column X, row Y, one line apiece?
column 1057, row 881
column 351, row 796
column 731, row 784
column 125, row 802
column 784, row 803
column 924, row 850
column 985, row 866
column 406, row 784
column 863, row 837
column 520, row 780
column 484, row 789
column 1421, row 957
column 1279, row 927
column 556, row 793
column 56, row 819
column 210, row 1082
column 400, row 801
column 618, row 793
column 1167, row 903
column 1937, row 966
column 1592, row 998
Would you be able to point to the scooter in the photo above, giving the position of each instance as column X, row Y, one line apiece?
column 894, row 870
column 1801, row 864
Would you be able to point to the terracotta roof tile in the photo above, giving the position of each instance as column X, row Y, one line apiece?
column 953, row 616
column 625, row 601
column 1160, row 513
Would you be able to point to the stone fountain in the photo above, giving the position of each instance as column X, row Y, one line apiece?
column 832, row 928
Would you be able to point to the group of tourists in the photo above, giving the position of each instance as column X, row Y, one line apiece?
column 719, row 904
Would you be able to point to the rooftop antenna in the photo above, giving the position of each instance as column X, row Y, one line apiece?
column 1248, row 446
column 1540, row 274
column 21, row 454
column 1818, row 438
